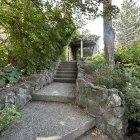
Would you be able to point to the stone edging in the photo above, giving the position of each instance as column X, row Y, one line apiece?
column 106, row 105
column 20, row 94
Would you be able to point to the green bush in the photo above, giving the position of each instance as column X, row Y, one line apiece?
column 63, row 55
column 106, row 75
column 98, row 58
column 8, row 116
column 9, row 75
column 132, row 97
column 3, row 58
column 124, row 80
column 120, row 55
column 90, row 68
column 134, row 69
column 110, row 77
column 131, row 54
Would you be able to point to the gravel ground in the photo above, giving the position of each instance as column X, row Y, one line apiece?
column 42, row 119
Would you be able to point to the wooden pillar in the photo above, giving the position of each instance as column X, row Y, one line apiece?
column 67, row 53
column 81, row 48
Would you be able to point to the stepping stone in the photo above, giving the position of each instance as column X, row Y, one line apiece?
column 58, row 92
column 42, row 120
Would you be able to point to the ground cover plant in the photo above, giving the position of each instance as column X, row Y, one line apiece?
column 8, row 116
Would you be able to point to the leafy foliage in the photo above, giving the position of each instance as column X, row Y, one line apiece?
column 129, row 58
column 133, row 100
column 3, row 58
column 9, row 75
column 8, row 116
column 36, row 33
column 131, row 54
column 90, row 68
column 132, row 96
column 122, row 79
column 106, row 75
column 63, row 54
column 98, row 58
column 90, row 8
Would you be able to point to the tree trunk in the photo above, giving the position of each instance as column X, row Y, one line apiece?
column 109, row 36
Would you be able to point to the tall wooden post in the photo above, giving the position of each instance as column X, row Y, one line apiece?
column 67, row 53
column 81, row 48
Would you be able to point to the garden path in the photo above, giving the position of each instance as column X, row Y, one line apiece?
column 52, row 114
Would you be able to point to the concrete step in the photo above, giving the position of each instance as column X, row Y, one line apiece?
column 67, row 66
column 65, row 80
column 56, row 92
column 41, row 120
column 65, row 76
column 66, row 72
column 67, row 69
column 68, row 62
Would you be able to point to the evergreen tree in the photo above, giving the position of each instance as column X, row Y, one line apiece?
column 127, row 24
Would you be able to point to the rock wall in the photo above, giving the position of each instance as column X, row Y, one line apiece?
column 20, row 94
column 106, row 105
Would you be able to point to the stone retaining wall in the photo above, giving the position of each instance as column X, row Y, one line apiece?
column 20, row 94
column 106, row 105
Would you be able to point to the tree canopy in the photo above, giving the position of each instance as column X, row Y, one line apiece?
column 127, row 23
column 35, row 33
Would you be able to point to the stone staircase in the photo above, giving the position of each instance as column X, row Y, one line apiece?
column 66, row 73
column 52, row 114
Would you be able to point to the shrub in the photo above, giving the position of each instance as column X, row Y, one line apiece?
column 90, row 68
column 120, row 55
column 63, row 55
column 134, row 69
column 98, row 58
column 3, row 58
column 110, row 77
column 106, row 75
column 8, row 116
column 124, row 80
column 132, row 97
column 131, row 54
column 9, row 75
